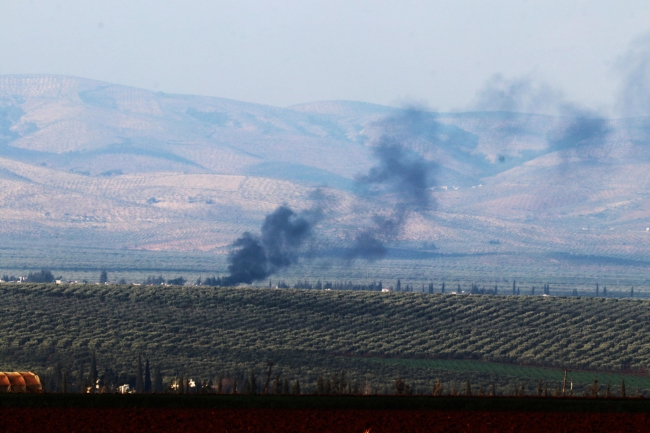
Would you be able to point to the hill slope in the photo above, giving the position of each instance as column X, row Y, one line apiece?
column 88, row 162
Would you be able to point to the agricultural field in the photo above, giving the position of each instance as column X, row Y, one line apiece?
column 205, row 333
column 548, row 375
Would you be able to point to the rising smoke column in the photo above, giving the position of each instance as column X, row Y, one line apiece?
column 401, row 171
column 248, row 260
column 283, row 233
column 580, row 131
column 254, row 258
column 398, row 171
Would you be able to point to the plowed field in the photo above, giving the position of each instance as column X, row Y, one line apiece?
column 25, row 420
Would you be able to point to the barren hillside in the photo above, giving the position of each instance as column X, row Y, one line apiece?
column 122, row 168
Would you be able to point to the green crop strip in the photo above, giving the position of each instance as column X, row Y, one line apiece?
column 519, row 371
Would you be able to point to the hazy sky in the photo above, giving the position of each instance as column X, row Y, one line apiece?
column 439, row 53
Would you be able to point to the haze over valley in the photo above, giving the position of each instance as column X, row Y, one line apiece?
column 92, row 164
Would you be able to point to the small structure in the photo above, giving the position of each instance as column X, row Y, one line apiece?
column 5, row 385
column 387, row 289
column 24, row 382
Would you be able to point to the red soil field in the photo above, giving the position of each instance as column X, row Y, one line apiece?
column 27, row 420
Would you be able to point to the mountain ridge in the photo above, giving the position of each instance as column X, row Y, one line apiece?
column 158, row 171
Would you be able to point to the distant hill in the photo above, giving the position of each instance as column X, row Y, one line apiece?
column 94, row 162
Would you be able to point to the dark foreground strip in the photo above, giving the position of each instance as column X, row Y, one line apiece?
column 525, row 404
column 118, row 420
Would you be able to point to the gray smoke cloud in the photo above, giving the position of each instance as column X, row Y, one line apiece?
column 579, row 130
column 400, row 172
column 585, row 128
column 634, row 90
column 517, row 95
column 254, row 258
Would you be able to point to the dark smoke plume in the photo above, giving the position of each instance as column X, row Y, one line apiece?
column 248, row 260
column 254, row 258
column 399, row 172
column 282, row 234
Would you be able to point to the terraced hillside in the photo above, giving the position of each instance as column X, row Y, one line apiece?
column 86, row 164
column 374, row 336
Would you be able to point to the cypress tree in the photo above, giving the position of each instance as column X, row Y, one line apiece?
column 252, row 385
column 139, row 385
column 220, row 384
column 632, row 293
column 514, row 287
column 157, row 380
column 295, row 389
column 437, row 388
column 277, row 383
column 468, row 388
column 328, row 387
column 285, row 386
column 81, row 379
column 595, row 389
column 93, row 372
column 147, row 377
column 336, row 384
column 442, row 289
column 103, row 277
column 398, row 287
column 596, row 289
column 320, row 386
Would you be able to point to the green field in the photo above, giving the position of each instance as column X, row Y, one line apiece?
column 528, row 373
column 205, row 333
column 19, row 256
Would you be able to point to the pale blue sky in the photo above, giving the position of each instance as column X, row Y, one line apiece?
column 438, row 53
